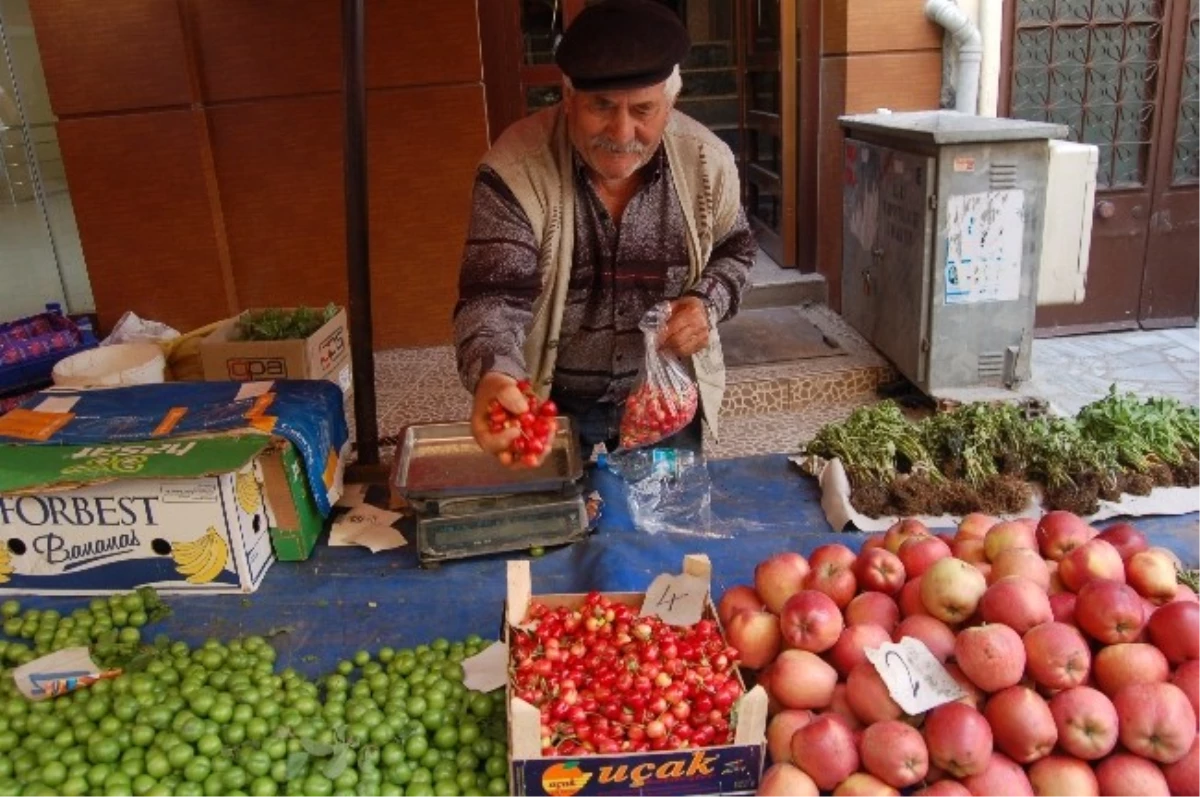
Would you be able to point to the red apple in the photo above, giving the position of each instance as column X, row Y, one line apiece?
column 873, row 608
column 975, row 526
column 1021, row 562
column 1157, row 721
column 1118, row 666
column 1002, row 776
column 901, row 531
column 862, row 784
column 1095, row 559
column 918, row 554
column 910, row 599
column 951, row 589
column 944, row 788
column 785, row 780
column 1125, row 538
column 780, row 730
column 810, row 620
column 1109, row 612
column 872, row 542
column 879, row 570
column 1152, row 574
column 1062, row 606
column 1184, row 594
column 1009, row 534
column 868, row 696
column 756, row 636
column 1057, row 655
column 1175, row 630
column 737, row 598
column 840, row 705
column 1129, row 774
column 1022, row 723
column 780, row 577
column 1060, row 774
column 895, row 753
column 975, row 698
column 1059, row 533
column 936, row 635
column 832, row 573
column 800, row 679
column 849, row 651
column 1183, row 777
column 1087, row 722
column 969, row 550
column 824, row 748
column 992, row 656
column 1017, row 602
column 1187, row 678
column 959, row 739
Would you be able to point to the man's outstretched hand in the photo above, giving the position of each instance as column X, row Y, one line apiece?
column 500, row 395
column 687, row 328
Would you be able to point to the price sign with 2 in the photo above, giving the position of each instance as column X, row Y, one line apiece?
column 915, row 679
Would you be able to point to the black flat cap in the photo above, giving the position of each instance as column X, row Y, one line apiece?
column 622, row 44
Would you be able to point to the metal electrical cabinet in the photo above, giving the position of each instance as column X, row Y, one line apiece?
column 941, row 239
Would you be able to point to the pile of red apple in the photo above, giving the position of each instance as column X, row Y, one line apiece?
column 655, row 412
column 1077, row 649
column 538, row 424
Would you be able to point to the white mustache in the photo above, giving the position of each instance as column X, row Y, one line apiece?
column 608, row 145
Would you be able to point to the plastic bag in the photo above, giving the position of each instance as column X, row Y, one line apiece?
column 664, row 399
column 133, row 329
column 669, row 491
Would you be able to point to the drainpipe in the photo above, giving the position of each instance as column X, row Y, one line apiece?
column 970, row 50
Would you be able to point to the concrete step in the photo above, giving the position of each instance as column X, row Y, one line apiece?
column 805, row 289
column 779, row 432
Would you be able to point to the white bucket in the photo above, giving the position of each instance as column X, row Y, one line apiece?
column 110, row 366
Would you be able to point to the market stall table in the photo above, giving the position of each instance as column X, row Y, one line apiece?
column 346, row 599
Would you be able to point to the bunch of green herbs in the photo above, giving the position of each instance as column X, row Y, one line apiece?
column 278, row 324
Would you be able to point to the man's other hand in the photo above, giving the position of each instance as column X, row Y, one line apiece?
column 687, row 328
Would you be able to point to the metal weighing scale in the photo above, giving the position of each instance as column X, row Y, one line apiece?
column 468, row 504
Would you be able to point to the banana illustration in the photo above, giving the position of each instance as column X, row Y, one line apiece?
column 202, row 559
column 246, row 489
column 6, row 566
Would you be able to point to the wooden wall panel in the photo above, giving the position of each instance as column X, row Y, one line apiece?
column 424, row 146
column 145, row 222
column 900, row 81
column 266, row 48
column 103, row 56
column 437, row 44
column 279, row 166
column 870, row 26
column 273, row 48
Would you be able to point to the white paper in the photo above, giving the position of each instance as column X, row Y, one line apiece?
column 189, row 493
column 373, row 537
column 984, row 233
column 252, row 390
column 916, row 680
column 487, row 670
column 676, row 599
column 367, row 526
column 57, row 404
column 344, row 379
column 58, row 673
column 835, row 502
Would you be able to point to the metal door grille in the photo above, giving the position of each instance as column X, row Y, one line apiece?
column 1093, row 65
column 1185, row 162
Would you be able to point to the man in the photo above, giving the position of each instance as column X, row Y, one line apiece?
column 587, row 214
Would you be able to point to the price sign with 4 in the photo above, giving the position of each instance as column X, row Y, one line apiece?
column 915, row 679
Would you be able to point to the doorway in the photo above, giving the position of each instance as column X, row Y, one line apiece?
column 1120, row 74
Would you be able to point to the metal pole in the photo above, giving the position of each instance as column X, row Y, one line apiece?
column 358, row 266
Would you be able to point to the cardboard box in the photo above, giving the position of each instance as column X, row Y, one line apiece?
column 186, row 515
column 292, row 514
column 723, row 769
column 325, row 354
